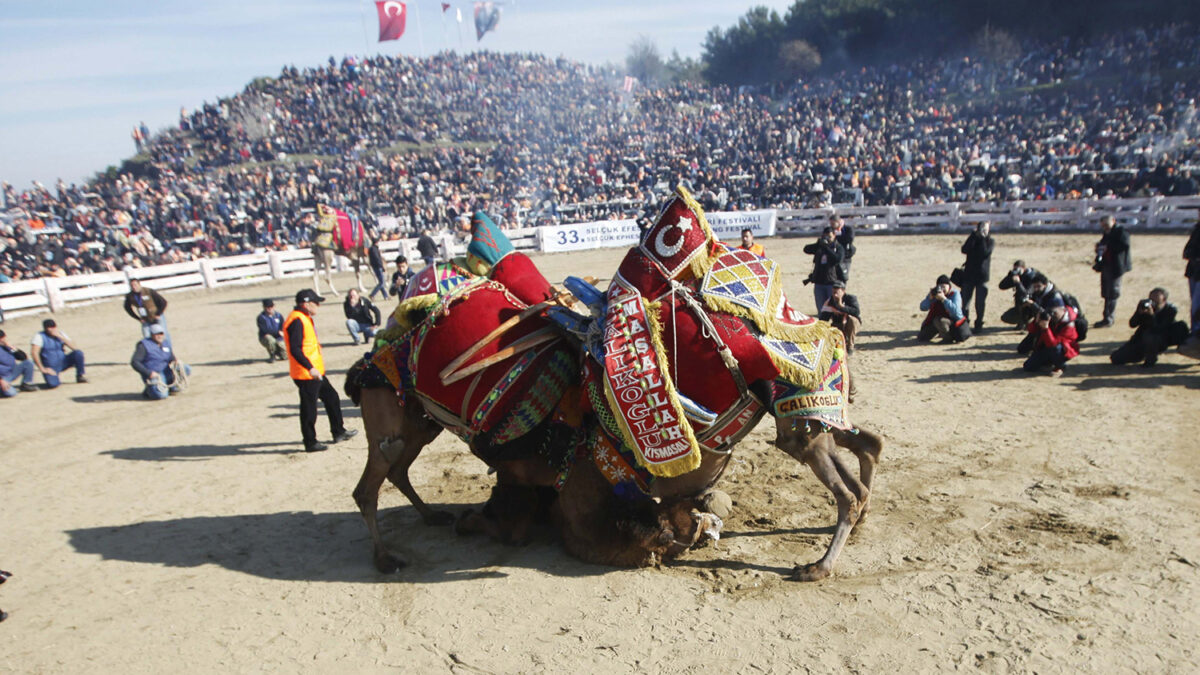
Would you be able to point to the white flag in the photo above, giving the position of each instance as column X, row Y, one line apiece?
column 458, row 14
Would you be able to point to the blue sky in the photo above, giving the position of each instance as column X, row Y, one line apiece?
column 76, row 76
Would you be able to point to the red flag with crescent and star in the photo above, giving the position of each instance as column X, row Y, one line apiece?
column 680, row 236
column 392, row 17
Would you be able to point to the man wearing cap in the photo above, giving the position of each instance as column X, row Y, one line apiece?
column 270, row 331
column 50, row 355
column 14, row 363
column 307, row 368
column 154, row 360
column 944, row 314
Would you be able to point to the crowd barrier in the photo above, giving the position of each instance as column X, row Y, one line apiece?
column 1152, row 213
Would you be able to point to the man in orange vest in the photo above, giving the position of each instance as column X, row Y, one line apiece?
column 749, row 245
column 307, row 368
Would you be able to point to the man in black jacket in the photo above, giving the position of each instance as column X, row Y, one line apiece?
column 1020, row 280
column 362, row 316
column 842, row 310
column 1191, row 253
column 845, row 236
column 427, row 247
column 827, row 256
column 1112, row 262
column 1157, row 329
column 977, row 270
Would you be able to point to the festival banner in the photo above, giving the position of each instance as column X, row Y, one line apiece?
column 585, row 236
column 728, row 225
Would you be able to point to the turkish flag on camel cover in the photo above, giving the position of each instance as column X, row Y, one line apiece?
column 392, row 16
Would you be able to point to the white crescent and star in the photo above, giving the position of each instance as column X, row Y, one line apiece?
column 389, row 6
column 684, row 225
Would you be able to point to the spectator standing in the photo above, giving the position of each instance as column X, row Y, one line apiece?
column 161, row 371
column 50, row 356
column 401, row 277
column 375, row 260
column 1156, row 329
column 845, row 236
column 147, row 306
column 1055, row 341
column 842, row 310
column 1191, row 253
column 306, row 365
column 977, row 271
column 270, row 331
column 14, row 363
column 749, row 245
column 944, row 315
column 827, row 256
column 427, row 247
column 1112, row 262
column 362, row 316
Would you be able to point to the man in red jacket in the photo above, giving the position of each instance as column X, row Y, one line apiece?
column 1056, row 340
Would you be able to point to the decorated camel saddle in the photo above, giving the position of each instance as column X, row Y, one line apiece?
column 688, row 326
column 337, row 230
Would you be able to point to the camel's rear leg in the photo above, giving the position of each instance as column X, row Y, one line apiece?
column 867, row 446
column 818, row 451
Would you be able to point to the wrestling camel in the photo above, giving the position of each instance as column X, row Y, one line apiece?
column 337, row 233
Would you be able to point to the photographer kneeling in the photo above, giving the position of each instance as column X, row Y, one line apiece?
column 945, row 314
column 1157, row 329
column 1055, row 340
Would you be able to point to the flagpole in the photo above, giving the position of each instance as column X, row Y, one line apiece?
column 445, row 40
column 420, row 33
column 362, row 14
column 458, row 19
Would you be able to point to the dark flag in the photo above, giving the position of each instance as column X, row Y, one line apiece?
column 392, row 16
column 445, row 6
column 487, row 15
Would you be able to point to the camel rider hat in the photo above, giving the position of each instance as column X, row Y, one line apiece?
column 308, row 295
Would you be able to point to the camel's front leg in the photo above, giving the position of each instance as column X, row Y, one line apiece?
column 867, row 446
column 817, row 450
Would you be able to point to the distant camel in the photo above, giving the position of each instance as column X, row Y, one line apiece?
column 338, row 233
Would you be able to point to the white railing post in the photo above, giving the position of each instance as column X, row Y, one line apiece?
column 447, row 247
column 53, row 296
column 893, row 217
column 1081, row 214
column 1014, row 214
column 1152, row 214
column 207, row 273
column 955, row 214
column 275, row 264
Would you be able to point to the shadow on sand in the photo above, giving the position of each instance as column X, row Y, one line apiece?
column 305, row 546
column 182, row 453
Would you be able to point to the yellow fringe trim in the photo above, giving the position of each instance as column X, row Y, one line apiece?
column 762, row 320
column 403, row 315
column 689, row 462
column 834, row 347
column 700, row 264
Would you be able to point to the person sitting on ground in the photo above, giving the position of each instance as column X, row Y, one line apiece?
column 161, row 371
column 1055, row 340
column 827, row 256
column 1020, row 280
column 270, row 331
column 1156, row 329
column 401, row 277
column 843, row 312
column 50, row 356
column 749, row 245
column 362, row 317
column 14, row 363
column 944, row 314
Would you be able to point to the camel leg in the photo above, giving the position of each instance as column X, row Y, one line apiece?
column 867, row 447
column 401, row 453
column 366, row 495
column 816, row 449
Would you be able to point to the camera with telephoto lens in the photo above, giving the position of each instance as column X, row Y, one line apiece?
column 1145, row 304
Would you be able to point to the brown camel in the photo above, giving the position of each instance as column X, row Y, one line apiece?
column 595, row 525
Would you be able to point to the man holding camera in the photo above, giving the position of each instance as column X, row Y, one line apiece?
column 944, row 314
column 827, row 256
column 1055, row 339
column 977, row 270
column 1156, row 329
column 1112, row 262
column 1020, row 280
column 843, row 312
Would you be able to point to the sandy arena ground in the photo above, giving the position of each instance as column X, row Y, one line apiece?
column 1019, row 523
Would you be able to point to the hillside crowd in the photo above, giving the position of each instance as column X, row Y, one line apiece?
column 413, row 144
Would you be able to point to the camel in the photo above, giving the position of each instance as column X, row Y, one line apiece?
column 677, row 520
column 334, row 236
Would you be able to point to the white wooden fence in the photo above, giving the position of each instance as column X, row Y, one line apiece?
column 55, row 293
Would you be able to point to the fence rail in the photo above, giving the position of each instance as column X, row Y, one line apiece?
column 54, row 293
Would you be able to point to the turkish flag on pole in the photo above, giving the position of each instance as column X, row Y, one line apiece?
column 392, row 16
column 445, row 6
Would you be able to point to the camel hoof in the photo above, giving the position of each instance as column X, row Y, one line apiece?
column 809, row 572
column 438, row 518
column 388, row 563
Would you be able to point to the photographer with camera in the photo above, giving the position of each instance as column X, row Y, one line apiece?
column 1112, row 261
column 977, row 270
column 827, row 256
column 1055, row 339
column 944, row 315
column 1020, row 280
column 1156, row 329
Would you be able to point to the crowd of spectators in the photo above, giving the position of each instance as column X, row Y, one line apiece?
column 413, row 144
